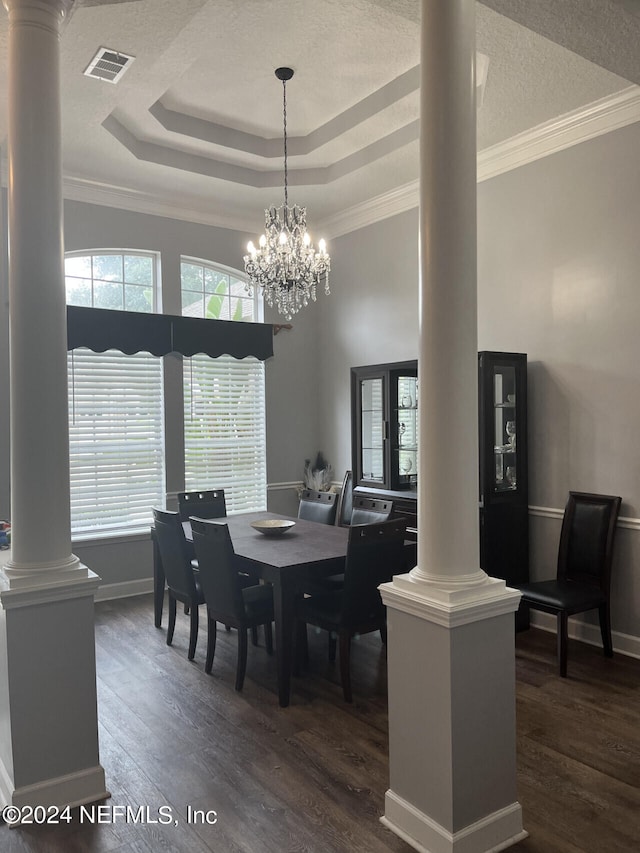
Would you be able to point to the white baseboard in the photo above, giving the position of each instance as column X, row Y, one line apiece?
column 624, row 644
column 493, row 833
column 110, row 591
column 73, row 789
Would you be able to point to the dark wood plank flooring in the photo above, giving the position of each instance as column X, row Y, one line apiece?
column 311, row 778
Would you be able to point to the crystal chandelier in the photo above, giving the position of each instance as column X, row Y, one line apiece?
column 286, row 265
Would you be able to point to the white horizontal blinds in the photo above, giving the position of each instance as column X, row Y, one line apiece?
column 116, row 442
column 224, row 398
column 224, row 425
column 116, row 445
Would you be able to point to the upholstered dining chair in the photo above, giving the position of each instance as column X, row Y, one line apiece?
column 345, row 501
column 318, row 506
column 583, row 576
column 182, row 582
column 374, row 555
column 227, row 600
column 203, row 504
column 370, row 510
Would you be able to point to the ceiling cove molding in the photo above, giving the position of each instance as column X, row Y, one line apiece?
column 93, row 192
column 596, row 119
column 600, row 117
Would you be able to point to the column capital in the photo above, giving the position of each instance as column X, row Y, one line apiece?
column 39, row 10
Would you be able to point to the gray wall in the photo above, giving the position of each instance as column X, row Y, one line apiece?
column 371, row 317
column 558, row 274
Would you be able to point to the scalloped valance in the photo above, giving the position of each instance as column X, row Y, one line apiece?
column 100, row 329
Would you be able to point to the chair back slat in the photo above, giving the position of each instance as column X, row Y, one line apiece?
column 318, row 506
column 586, row 540
column 219, row 576
column 174, row 552
column 375, row 554
column 202, row 504
column 370, row 510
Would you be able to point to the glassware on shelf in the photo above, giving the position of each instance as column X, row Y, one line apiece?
column 406, row 402
column 406, row 465
column 511, row 476
column 510, row 429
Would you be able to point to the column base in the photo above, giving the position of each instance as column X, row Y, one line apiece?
column 49, row 753
column 451, row 675
column 495, row 832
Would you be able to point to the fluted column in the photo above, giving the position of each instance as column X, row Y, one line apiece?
column 451, row 667
column 41, row 537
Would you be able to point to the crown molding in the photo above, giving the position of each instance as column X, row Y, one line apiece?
column 596, row 119
column 109, row 195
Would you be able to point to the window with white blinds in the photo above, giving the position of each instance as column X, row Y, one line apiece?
column 115, row 440
column 116, row 445
column 224, row 398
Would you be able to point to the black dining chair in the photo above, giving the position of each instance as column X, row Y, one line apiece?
column 374, row 555
column 345, row 501
column 370, row 510
column 318, row 506
column 227, row 600
column 583, row 577
column 202, row 504
column 182, row 582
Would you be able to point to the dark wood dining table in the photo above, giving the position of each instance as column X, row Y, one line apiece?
column 308, row 550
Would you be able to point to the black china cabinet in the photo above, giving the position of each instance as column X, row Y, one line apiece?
column 504, row 476
column 384, row 406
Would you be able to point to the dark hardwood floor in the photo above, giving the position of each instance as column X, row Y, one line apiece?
column 312, row 777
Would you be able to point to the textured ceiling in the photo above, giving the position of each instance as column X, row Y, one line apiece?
column 196, row 121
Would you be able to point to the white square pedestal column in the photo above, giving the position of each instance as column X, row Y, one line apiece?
column 48, row 708
column 452, row 718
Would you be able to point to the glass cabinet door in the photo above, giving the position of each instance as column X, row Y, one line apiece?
column 404, row 456
column 372, row 429
column 505, row 439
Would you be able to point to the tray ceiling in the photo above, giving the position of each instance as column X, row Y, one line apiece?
column 196, row 121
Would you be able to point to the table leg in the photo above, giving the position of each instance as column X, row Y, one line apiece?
column 158, row 583
column 283, row 601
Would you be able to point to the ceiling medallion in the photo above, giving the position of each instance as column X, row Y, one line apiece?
column 286, row 265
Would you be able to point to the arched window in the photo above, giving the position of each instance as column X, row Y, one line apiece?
column 224, row 398
column 115, row 401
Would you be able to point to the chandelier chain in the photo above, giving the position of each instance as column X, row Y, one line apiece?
column 284, row 116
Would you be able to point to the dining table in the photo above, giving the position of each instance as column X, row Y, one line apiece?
column 306, row 551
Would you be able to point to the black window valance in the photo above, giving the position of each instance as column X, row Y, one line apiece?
column 100, row 329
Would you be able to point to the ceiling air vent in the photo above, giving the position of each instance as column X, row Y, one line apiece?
column 108, row 65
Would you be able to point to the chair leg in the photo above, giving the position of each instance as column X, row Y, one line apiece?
column 332, row 646
column 254, row 635
column 193, row 636
column 211, row 644
column 605, row 629
column 172, row 618
column 242, row 657
column 345, row 665
column 268, row 637
column 563, row 641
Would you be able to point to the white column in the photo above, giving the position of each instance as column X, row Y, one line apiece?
column 39, row 417
column 48, row 710
column 450, row 627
